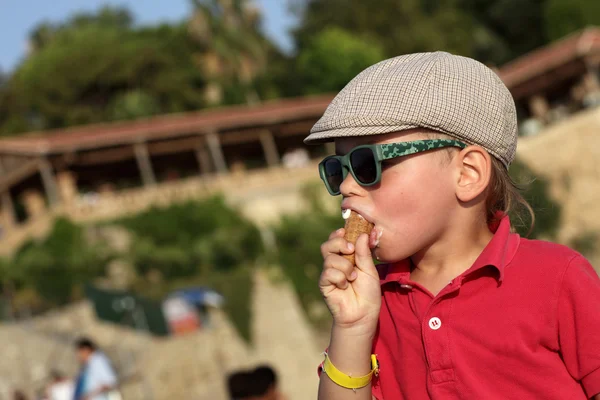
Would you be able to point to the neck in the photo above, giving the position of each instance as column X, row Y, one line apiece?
column 453, row 253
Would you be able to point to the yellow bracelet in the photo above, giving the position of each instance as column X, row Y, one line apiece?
column 348, row 381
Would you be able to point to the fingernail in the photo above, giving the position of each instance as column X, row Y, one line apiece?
column 353, row 275
column 350, row 246
column 339, row 230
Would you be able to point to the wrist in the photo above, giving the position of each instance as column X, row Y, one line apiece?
column 350, row 350
column 357, row 331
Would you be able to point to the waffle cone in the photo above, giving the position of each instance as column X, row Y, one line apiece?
column 356, row 225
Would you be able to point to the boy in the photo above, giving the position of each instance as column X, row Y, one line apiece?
column 461, row 308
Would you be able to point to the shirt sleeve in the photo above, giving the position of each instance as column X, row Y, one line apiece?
column 579, row 323
column 104, row 372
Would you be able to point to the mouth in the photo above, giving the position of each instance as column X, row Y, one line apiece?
column 376, row 232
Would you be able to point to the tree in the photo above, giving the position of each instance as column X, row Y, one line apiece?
column 232, row 50
column 319, row 64
column 506, row 29
column 59, row 264
column 492, row 32
column 400, row 27
column 98, row 69
column 562, row 17
column 107, row 17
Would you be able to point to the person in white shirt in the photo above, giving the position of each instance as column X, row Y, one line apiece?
column 61, row 387
column 97, row 379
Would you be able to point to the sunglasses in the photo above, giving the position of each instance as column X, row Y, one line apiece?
column 364, row 162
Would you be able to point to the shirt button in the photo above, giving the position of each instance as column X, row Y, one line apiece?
column 435, row 323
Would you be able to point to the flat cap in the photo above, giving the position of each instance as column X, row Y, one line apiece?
column 454, row 95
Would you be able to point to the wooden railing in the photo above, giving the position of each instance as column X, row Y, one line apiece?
column 102, row 207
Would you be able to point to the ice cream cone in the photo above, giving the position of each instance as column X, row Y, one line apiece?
column 355, row 226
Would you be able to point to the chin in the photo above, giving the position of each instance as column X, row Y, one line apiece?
column 391, row 254
column 385, row 256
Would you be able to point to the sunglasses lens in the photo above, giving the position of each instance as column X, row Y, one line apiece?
column 333, row 174
column 364, row 166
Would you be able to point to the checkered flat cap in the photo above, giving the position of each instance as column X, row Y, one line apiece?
column 450, row 94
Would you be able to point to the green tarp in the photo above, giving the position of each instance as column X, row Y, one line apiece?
column 125, row 308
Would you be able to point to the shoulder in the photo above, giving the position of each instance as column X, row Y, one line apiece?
column 550, row 260
column 542, row 253
column 99, row 359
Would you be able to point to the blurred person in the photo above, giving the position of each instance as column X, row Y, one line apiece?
column 60, row 388
column 19, row 395
column 239, row 385
column 258, row 384
column 267, row 383
column 97, row 379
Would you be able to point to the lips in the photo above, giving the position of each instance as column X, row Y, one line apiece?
column 376, row 233
column 347, row 209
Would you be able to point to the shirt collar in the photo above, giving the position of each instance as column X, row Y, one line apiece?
column 498, row 253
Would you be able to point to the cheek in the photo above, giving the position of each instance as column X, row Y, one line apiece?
column 409, row 205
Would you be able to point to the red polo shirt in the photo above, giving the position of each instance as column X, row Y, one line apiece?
column 522, row 323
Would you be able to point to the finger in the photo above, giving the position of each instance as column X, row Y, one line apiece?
column 340, row 263
column 363, row 256
column 337, row 245
column 332, row 277
column 338, row 233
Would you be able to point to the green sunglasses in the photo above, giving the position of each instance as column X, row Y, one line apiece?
column 364, row 162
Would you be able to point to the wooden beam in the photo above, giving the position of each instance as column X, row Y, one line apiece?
column 214, row 146
column 203, row 158
column 240, row 137
column 8, row 207
column 548, row 81
column 173, row 146
column 12, row 177
column 295, row 128
column 330, row 148
column 144, row 164
column 105, row 156
column 49, row 181
column 269, row 147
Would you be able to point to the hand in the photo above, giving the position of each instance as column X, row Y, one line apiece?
column 352, row 294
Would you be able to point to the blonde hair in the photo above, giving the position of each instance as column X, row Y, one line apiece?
column 503, row 194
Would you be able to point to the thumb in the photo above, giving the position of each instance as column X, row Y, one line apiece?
column 363, row 257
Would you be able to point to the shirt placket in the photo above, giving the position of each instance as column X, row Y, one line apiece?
column 435, row 331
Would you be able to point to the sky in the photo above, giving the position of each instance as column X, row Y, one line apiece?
column 19, row 17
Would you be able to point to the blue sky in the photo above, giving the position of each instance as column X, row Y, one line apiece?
column 18, row 17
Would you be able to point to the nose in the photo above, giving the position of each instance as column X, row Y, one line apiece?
column 350, row 187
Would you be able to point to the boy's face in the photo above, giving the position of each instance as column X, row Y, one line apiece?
column 412, row 204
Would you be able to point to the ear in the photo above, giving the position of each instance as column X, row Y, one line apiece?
column 475, row 169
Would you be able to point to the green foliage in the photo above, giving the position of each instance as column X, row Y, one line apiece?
column 59, row 264
column 586, row 243
column 563, row 17
column 492, row 32
column 100, row 72
column 535, row 189
column 319, row 63
column 186, row 239
column 398, row 26
column 232, row 51
column 299, row 237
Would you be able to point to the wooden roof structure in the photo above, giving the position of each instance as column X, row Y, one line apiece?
column 564, row 59
column 164, row 127
column 523, row 76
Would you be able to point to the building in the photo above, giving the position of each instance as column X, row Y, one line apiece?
column 553, row 82
column 89, row 164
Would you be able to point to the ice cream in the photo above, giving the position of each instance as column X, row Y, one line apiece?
column 355, row 226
